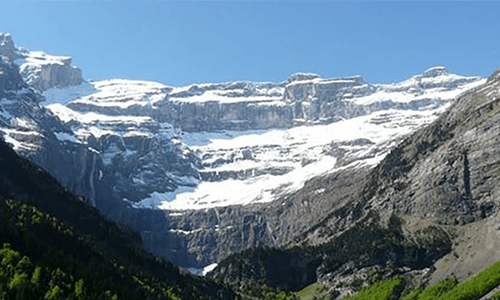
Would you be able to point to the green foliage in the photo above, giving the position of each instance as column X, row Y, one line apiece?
column 412, row 295
column 435, row 291
column 79, row 289
column 383, row 290
column 495, row 296
column 35, row 279
column 19, row 281
column 257, row 291
column 476, row 286
column 449, row 289
column 9, row 257
column 313, row 291
column 54, row 293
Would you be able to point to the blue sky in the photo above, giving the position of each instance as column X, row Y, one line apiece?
column 182, row 42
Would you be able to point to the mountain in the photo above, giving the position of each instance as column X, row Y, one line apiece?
column 208, row 170
column 57, row 246
column 428, row 210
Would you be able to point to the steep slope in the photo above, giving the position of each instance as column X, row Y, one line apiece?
column 430, row 207
column 70, row 250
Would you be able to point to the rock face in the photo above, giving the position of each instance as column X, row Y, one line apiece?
column 7, row 47
column 38, row 69
column 170, row 149
column 42, row 71
column 208, row 170
column 10, row 79
column 33, row 132
column 407, row 212
column 451, row 167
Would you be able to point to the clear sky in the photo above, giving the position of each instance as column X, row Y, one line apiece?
column 182, row 42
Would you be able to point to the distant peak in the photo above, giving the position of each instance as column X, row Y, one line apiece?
column 4, row 35
column 495, row 75
column 302, row 76
column 435, row 71
column 7, row 47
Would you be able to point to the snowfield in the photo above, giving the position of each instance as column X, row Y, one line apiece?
column 252, row 166
column 301, row 151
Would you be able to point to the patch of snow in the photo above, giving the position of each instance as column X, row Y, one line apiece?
column 24, row 123
column 67, row 94
column 396, row 95
column 299, row 151
column 66, row 137
column 84, row 133
column 319, row 191
column 202, row 272
column 176, row 214
column 122, row 93
column 67, row 115
column 34, row 59
column 215, row 97
column 11, row 136
column 185, row 232
column 208, row 269
column 156, row 199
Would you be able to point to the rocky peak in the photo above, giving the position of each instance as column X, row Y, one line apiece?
column 7, row 47
column 495, row 75
column 43, row 71
column 40, row 70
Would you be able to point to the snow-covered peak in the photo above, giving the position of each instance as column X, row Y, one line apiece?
column 435, row 79
column 435, row 71
column 123, row 93
column 302, row 76
column 42, row 58
column 38, row 69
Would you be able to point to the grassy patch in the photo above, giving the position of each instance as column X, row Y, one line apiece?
column 477, row 286
column 313, row 291
column 383, row 290
column 439, row 289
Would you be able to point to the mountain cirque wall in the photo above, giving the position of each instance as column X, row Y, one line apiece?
column 132, row 147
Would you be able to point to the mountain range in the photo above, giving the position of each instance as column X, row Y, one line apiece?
column 332, row 178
